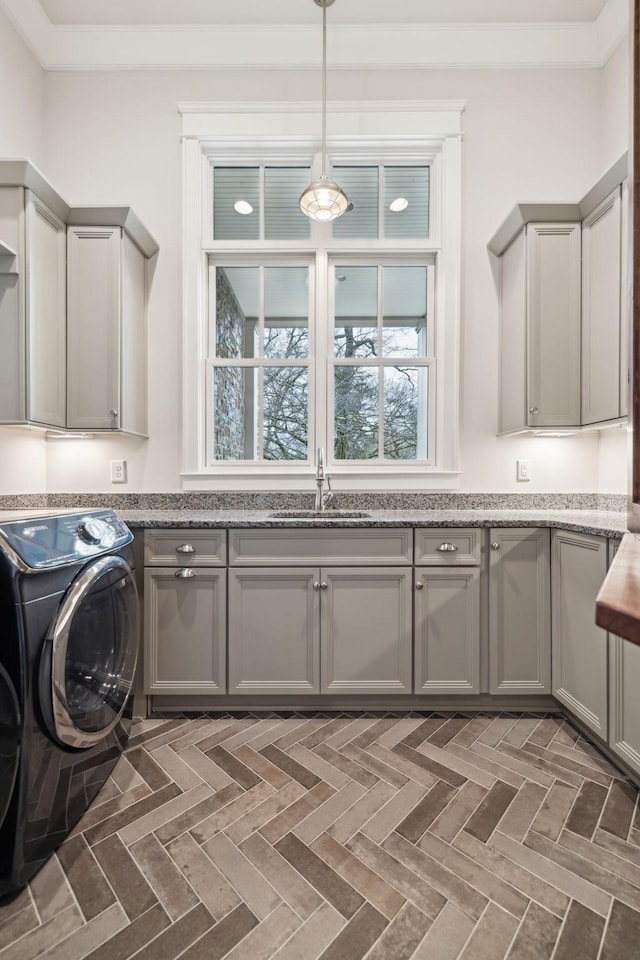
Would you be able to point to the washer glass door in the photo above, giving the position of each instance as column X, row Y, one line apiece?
column 94, row 648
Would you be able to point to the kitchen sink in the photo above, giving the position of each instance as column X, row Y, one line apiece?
column 319, row 515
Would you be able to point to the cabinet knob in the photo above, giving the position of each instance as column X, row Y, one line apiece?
column 113, row 413
column 184, row 574
column 324, row 586
column 447, row 548
column 533, row 410
column 316, row 585
column 186, row 548
column 419, row 585
column 495, row 545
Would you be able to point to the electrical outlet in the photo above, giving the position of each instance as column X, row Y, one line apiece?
column 118, row 471
column 523, row 469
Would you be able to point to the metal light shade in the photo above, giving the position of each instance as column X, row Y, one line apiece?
column 323, row 200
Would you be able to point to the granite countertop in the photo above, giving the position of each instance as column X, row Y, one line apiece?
column 606, row 523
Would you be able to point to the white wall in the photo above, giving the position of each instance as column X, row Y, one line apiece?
column 528, row 135
column 114, row 138
column 23, row 455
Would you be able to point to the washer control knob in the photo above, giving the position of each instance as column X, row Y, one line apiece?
column 91, row 531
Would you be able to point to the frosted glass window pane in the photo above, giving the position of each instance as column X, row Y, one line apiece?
column 236, row 185
column 361, row 187
column 236, row 312
column 286, row 312
column 285, row 413
column 410, row 184
column 405, row 391
column 282, row 215
column 404, row 304
column 355, row 413
column 356, row 311
column 235, row 392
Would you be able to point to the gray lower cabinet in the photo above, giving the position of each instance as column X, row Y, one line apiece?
column 579, row 566
column 274, row 630
column 320, row 630
column 519, row 611
column 185, row 630
column 366, row 630
column 447, row 630
column 624, row 702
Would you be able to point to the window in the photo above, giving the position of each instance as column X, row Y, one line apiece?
column 340, row 335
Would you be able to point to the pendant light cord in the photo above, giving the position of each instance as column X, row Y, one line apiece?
column 324, row 89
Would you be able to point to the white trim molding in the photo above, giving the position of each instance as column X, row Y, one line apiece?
column 295, row 47
column 241, row 134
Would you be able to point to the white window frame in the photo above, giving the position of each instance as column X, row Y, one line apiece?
column 390, row 133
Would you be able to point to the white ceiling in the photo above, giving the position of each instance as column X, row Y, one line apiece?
column 286, row 34
column 306, row 12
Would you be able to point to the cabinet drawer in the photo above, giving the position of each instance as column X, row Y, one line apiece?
column 344, row 546
column 451, row 546
column 185, row 548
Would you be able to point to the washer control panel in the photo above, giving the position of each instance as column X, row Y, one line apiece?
column 44, row 542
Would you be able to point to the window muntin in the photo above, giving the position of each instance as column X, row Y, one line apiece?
column 386, row 202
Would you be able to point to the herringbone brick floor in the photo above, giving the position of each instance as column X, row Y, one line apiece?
column 377, row 837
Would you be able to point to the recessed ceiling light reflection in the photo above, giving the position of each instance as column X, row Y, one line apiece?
column 399, row 204
column 243, row 207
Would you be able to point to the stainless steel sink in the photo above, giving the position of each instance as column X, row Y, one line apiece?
column 319, row 515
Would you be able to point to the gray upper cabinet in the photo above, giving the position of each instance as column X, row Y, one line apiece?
column 32, row 311
column 540, row 328
column 519, row 611
column 72, row 309
column 579, row 566
column 106, row 357
column 601, row 329
column 563, row 349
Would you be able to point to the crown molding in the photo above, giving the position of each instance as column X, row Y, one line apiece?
column 369, row 46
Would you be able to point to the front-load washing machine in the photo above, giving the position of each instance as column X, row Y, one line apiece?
column 69, row 626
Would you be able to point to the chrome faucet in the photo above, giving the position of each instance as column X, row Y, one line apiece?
column 322, row 499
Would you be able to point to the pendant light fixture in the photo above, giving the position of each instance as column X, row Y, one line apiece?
column 324, row 199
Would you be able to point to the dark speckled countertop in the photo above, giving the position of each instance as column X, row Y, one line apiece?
column 605, row 523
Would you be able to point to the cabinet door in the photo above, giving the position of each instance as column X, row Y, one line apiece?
column 366, row 630
column 274, row 630
column 185, row 630
column 520, row 611
column 46, row 314
column 553, row 324
column 601, row 312
column 93, row 352
column 624, row 702
column 624, row 300
column 513, row 335
column 133, row 388
column 447, row 630
column 579, row 566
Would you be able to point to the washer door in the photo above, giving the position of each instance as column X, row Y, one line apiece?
column 9, row 741
column 93, row 645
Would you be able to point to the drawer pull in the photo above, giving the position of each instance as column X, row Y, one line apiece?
column 185, row 548
column 184, row 574
column 447, row 548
